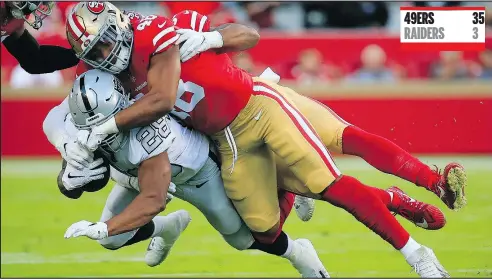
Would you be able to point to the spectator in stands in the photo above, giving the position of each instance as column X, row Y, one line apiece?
column 243, row 60
column 373, row 68
column 311, row 69
column 217, row 12
column 450, row 66
column 348, row 14
column 260, row 12
column 486, row 64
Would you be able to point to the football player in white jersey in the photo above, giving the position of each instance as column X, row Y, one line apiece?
column 173, row 153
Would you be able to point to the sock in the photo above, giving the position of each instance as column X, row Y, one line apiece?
column 143, row 233
column 384, row 196
column 358, row 199
column 279, row 247
column 387, row 157
column 160, row 222
column 410, row 248
column 286, row 202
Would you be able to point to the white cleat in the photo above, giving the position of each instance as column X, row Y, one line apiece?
column 160, row 246
column 305, row 259
column 304, row 207
column 425, row 264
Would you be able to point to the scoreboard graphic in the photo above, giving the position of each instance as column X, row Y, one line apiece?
column 442, row 28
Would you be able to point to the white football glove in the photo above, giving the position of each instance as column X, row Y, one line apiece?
column 197, row 42
column 74, row 178
column 170, row 192
column 95, row 231
column 91, row 140
column 74, row 153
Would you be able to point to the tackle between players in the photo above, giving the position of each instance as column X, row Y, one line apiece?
column 225, row 108
column 194, row 167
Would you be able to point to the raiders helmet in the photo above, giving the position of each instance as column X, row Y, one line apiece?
column 101, row 35
column 95, row 97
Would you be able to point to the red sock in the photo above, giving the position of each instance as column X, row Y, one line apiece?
column 360, row 201
column 286, row 202
column 384, row 196
column 387, row 157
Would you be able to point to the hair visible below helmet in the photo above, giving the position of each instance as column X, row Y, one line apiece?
column 33, row 12
column 101, row 35
column 95, row 97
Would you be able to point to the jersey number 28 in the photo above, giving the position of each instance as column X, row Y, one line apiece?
column 152, row 136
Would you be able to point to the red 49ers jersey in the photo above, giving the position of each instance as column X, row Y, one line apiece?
column 212, row 90
column 8, row 24
column 153, row 34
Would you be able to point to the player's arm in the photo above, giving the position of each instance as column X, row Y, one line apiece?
column 198, row 36
column 38, row 59
column 162, row 82
column 154, row 176
column 236, row 37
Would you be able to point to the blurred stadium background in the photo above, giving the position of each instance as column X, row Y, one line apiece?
column 346, row 54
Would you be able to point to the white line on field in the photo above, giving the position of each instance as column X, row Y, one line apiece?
column 52, row 167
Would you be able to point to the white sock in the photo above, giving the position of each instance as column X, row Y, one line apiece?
column 290, row 246
column 159, row 223
column 410, row 248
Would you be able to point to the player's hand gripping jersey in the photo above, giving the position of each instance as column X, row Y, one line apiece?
column 9, row 25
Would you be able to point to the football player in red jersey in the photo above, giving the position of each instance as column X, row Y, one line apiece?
column 32, row 57
column 251, row 119
column 342, row 137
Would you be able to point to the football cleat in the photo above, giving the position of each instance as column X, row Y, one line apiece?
column 424, row 262
column 160, row 246
column 450, row 187
column 305, row 259
column 304, row 207
column 422, row 214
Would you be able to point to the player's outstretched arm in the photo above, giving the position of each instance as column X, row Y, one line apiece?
column 154, row 177
column 36, row 59
column 236, row 37
column 162, row 79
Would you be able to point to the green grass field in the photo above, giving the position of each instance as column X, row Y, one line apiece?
column 35, row 216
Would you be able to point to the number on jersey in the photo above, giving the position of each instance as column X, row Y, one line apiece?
column 146, row 21
column 152, row 136
column 188, row 96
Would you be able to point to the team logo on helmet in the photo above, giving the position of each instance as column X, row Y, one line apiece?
column 96, row 7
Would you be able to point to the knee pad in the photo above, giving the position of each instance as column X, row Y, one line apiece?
column 240, row 240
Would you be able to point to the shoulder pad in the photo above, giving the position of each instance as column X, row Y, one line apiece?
column 154, row 34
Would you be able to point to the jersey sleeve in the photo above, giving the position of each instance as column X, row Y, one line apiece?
column 154, row 34
column 150, row 141
column 192, row 20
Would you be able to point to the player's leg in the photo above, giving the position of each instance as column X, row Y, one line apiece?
column 211, row 199
column 421, row 214
column 292, row 137
column 342, row 137
column 247, row 171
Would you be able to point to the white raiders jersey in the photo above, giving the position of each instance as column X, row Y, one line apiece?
column 188, row 150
